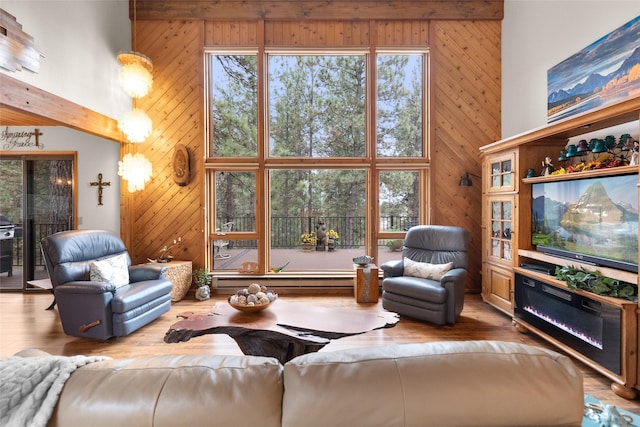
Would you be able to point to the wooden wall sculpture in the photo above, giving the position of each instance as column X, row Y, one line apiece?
column 17, row 48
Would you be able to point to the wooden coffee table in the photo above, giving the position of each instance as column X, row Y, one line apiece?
column 284, row 330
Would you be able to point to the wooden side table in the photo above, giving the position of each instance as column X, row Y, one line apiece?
column 366, row 283
column 179, row 273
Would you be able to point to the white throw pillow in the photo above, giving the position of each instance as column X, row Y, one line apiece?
column 111, row 270
column 426, row 270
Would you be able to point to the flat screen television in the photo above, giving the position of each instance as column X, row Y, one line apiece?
column 590, row 220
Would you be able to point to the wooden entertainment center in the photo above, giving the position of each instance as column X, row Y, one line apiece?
column 506, row 234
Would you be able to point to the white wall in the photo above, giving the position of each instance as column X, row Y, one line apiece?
column 80, row 41
column 95, row 155
column 538, row 34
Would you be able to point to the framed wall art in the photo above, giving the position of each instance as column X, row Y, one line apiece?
column 605, row 72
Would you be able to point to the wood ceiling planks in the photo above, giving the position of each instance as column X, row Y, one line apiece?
column 319, row 9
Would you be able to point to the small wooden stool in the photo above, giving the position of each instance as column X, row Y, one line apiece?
column 366, row 283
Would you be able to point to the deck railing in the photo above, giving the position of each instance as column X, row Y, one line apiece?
column 285, row 231
column 41, row 230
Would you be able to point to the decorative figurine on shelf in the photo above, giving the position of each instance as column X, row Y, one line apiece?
column 547, row 167
column 321, row 235
column 634, row 154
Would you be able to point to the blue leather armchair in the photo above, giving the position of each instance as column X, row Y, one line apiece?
column 436, row 301
column 96, row 309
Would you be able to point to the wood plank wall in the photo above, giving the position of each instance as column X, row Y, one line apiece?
column 465, row 114
column 466, row 100
column 164, row 211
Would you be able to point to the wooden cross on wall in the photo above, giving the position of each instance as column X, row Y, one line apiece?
column 37, row 134
column 100, row 184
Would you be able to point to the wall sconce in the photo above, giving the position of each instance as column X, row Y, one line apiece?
column 465, row 181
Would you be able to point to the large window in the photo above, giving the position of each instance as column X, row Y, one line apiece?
column 317, row 106
column 234, row 108
column 400, row 105
column 330, row 150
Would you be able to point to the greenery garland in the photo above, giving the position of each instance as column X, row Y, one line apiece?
column 595, row 282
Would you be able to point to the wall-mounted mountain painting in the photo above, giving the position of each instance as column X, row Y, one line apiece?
column 604, row 72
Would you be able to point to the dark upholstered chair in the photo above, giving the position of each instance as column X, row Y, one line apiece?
column 438, row 295
column 91, row 301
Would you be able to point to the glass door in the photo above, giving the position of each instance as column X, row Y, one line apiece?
column 36, row 199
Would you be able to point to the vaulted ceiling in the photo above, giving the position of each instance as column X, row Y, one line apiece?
column 25, row 105
column 283, row 10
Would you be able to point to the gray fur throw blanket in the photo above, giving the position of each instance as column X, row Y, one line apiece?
column 30, row 386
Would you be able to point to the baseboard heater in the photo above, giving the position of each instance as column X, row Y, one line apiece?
column 281, row 282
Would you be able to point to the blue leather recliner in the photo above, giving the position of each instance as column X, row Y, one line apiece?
column 99, row 309
column 437, row 298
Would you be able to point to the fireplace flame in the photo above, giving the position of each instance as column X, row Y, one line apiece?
column 567, row 328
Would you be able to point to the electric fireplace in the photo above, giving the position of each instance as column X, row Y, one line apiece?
column 590, row 327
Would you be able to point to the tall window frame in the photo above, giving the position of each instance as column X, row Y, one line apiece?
column 380, row 238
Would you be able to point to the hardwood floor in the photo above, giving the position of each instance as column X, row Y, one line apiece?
column 24, row 323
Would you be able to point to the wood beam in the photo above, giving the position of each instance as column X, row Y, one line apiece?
column 18, row 98
column 318, row 9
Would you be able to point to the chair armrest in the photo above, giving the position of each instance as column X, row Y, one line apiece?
column 454, row 282
column 141, row 272
column 455, row 275
column 393, row 268
column 85, row 287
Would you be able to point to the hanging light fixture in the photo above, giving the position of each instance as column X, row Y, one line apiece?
column 136, row 169
column 136, row 79
column 136, row 125
column 136, row 76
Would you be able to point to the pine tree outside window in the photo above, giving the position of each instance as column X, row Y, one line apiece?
column 299, row 149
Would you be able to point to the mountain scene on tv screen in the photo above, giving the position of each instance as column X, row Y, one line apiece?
column 594, row 225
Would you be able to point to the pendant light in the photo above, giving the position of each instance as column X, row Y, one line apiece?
column 136, row 75
column 136, row 125
column 136, row 169
column 136, row 79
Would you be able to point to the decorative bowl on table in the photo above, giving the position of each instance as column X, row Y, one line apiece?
column 363, row 260
column 252, row 298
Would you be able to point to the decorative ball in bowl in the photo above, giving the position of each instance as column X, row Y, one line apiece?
column 363, row 260
column 252, row 298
